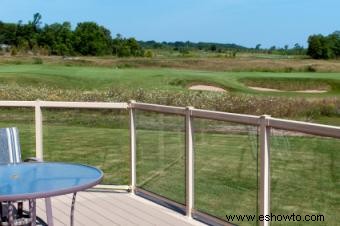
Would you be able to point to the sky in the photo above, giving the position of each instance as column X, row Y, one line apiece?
column 244, row 22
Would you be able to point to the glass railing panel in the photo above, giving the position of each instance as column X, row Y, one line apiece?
column 95, row 137
column 23, row 119
column 305, row 178
column 226, row 169
column 161, row 154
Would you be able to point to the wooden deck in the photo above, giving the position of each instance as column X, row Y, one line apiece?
column 112, row 208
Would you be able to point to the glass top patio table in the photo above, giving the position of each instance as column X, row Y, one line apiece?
column 41, row 180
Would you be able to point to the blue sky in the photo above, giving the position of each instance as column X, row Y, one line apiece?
column 245, row 22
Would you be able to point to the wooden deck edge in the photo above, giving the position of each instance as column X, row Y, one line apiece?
column 113, row 187
column 179, row 208
column 209, row 219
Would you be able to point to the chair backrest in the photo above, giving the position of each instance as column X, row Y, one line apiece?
column 9, row 145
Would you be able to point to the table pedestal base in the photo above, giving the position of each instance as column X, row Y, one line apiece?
column 72, row 208
column 15, row 217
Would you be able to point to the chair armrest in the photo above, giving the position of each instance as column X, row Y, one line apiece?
column 32, row 159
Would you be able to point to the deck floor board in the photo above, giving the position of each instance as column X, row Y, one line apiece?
column 95, row 208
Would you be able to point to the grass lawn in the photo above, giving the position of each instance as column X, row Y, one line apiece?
column 96, row 78
column 305, row 177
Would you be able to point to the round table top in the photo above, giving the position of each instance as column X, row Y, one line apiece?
column 41, row 180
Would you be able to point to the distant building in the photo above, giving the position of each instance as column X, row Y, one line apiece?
column 4, row 47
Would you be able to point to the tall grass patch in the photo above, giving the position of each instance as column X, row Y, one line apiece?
column 291, row 84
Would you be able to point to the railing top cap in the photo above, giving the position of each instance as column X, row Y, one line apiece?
column 310, row 128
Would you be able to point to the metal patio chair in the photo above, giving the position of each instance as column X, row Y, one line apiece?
column 10, row 152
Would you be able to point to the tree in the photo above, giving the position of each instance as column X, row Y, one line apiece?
column 27, row 34
column 258, row 47
column 315, row 46
column 123, row 47
column 8, row 33
column 58, row 38
column 271, row 49
column 35, row 24
column 88, row 38
column 297, row 49
column 134, row 47
column 92, row 39
column 213, row 48
column 324, row 47
column 117, row 46
column 321, row 47
column 335, row 43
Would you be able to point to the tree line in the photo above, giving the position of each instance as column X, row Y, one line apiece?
column 324, row 47
column 180, row 46
column 91, row 39
column 88, row 38
column 186, row 47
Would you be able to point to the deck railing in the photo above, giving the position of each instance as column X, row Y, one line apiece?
column 265, row 123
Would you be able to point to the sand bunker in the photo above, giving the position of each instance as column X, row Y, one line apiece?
column 264, row 89
column 207, row 88
column 311, row 91
column 277, row 90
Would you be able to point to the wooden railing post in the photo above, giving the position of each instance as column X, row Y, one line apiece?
column 132, row 146
column 38, row 132
column 265, row 168
column 189, row 162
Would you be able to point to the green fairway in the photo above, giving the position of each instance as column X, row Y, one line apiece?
column 96, row 78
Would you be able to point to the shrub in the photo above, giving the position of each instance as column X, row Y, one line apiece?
column 310, row 68
column 148, row 54
column 37, row 60
column 125, row 65
column 14, row 51
column 288, row 69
